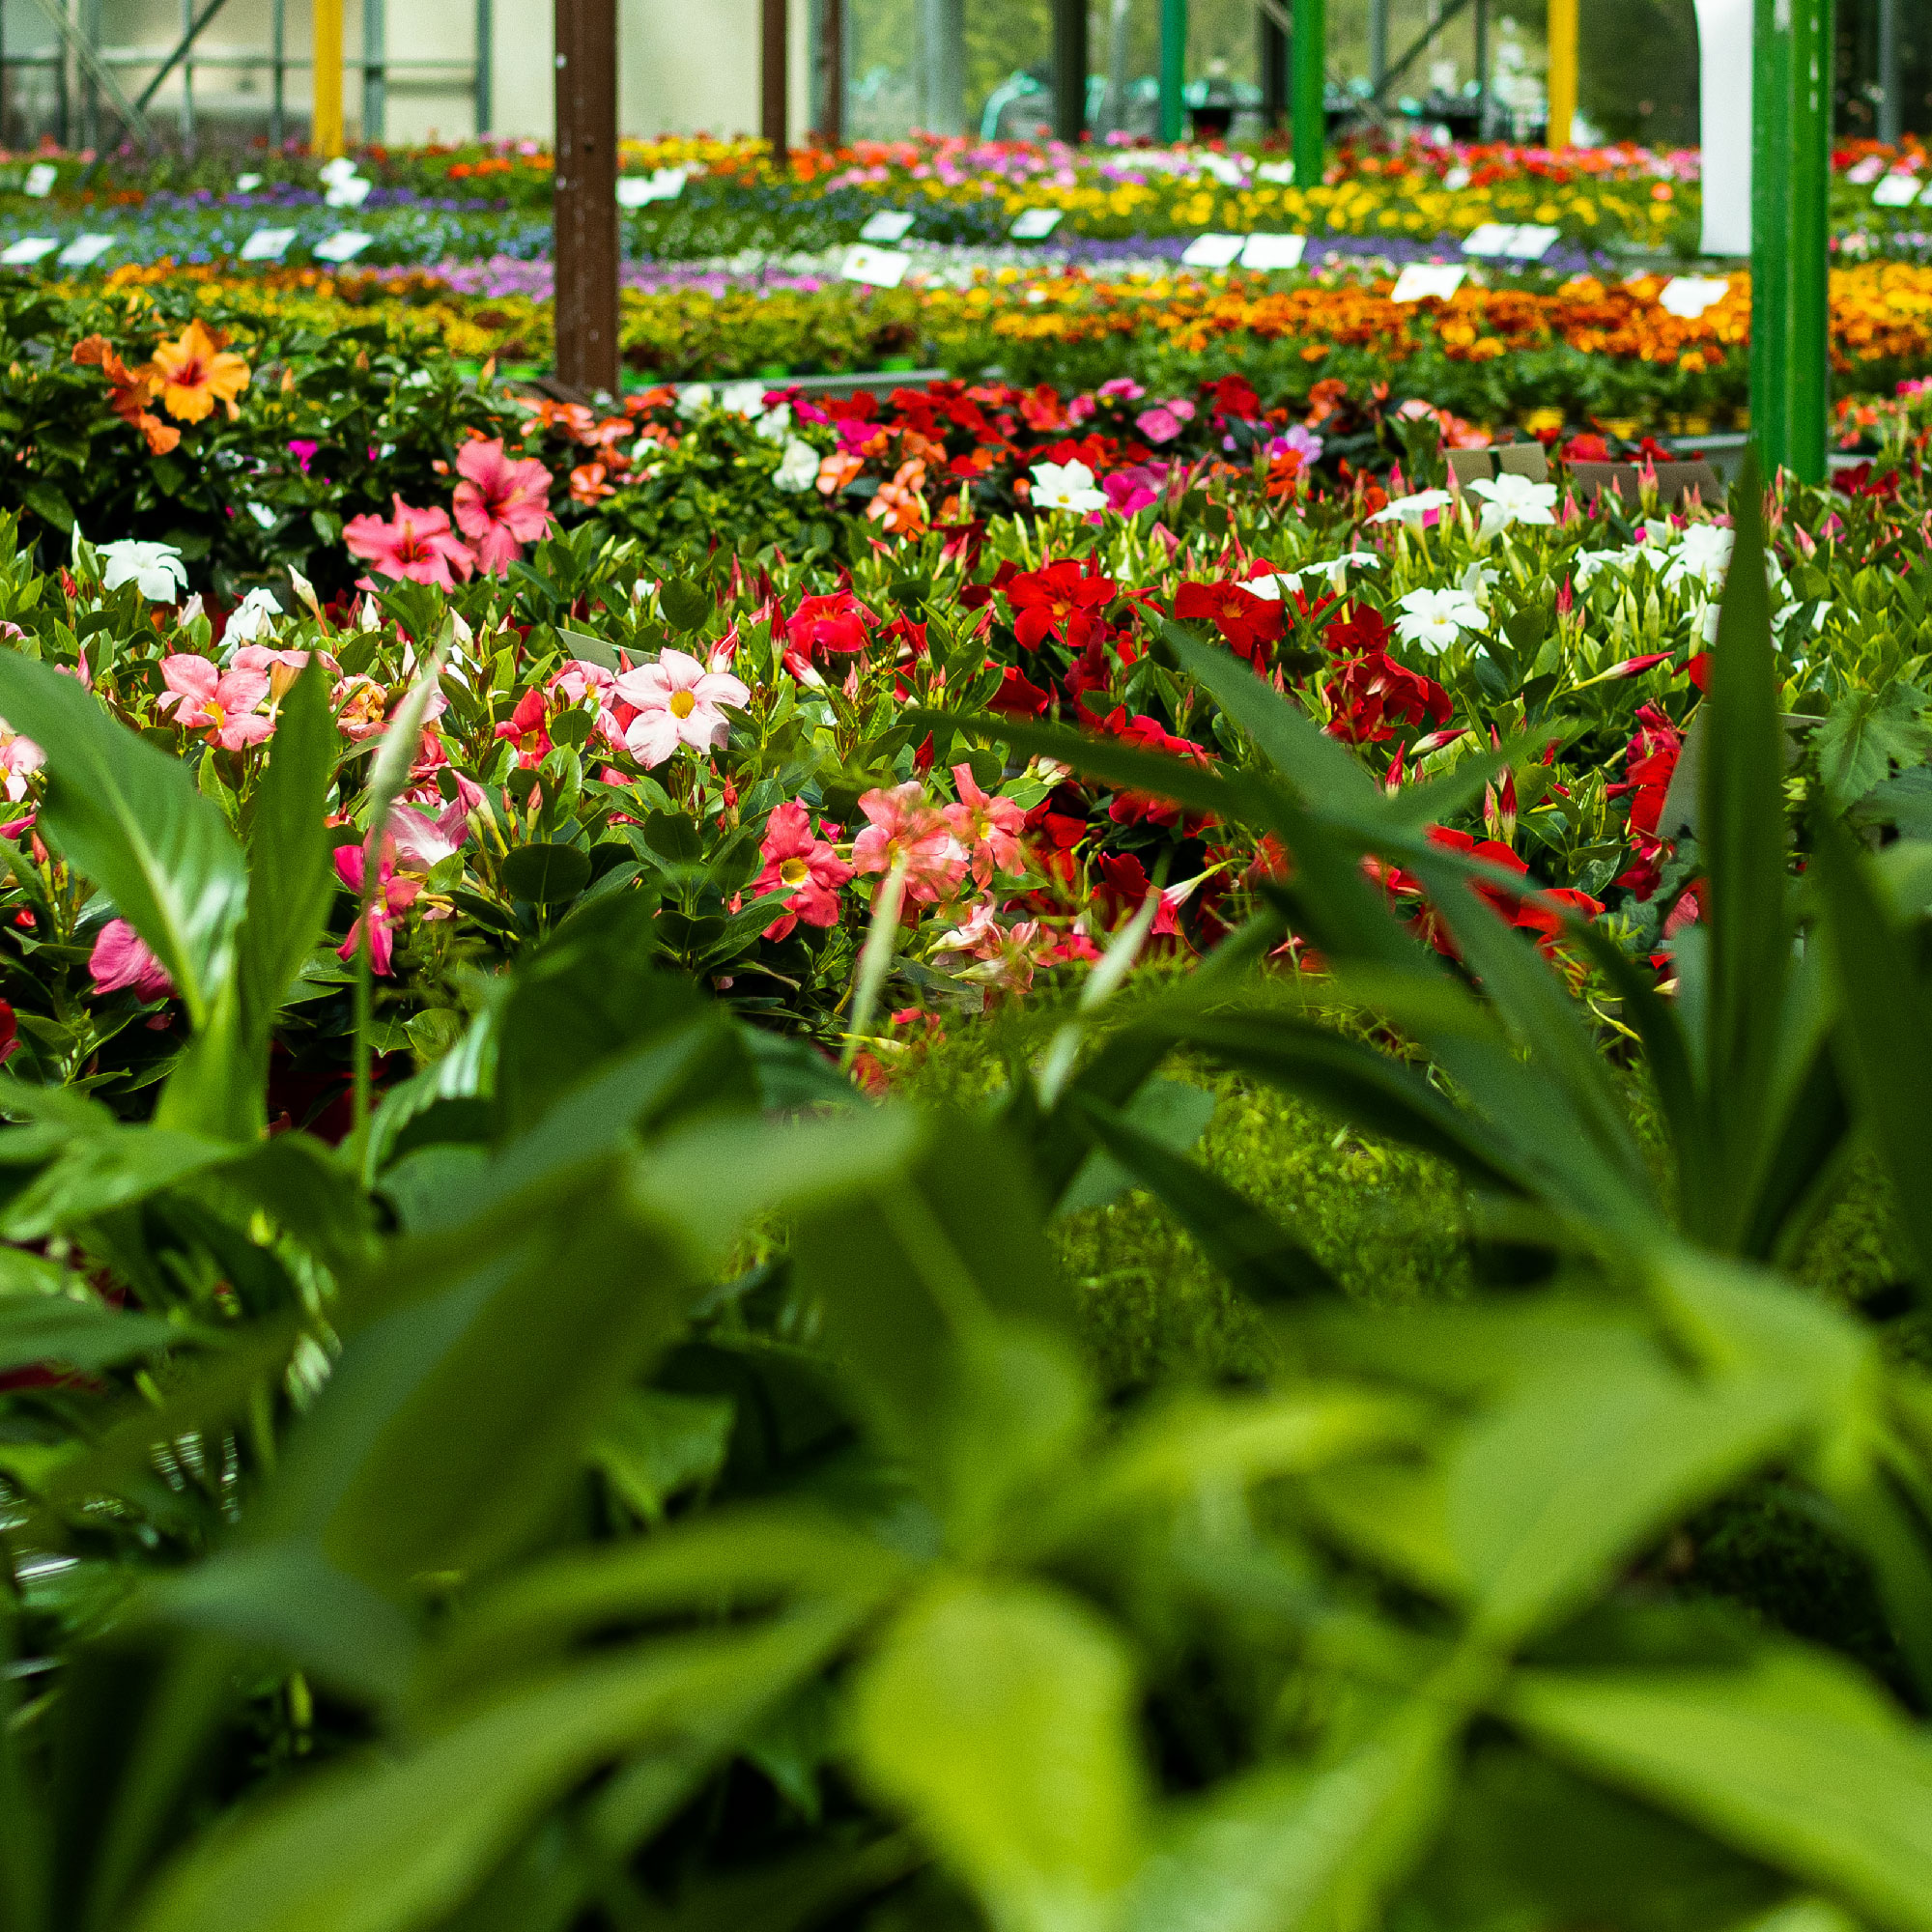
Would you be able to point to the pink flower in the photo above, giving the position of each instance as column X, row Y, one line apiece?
column 1130, row 490
column 798, row 864
column 121, row 958
column 280, row 667
column 1003, row 956
column 1123, row 386
column 396, row 892
column 18, row 756
column 905, row 828
column 677, row 702
column 220, row 702
column 503, row 504
column 421, row 840
column 1163, row 423
column 579, row 680
column 989, row 828
column 418, row 545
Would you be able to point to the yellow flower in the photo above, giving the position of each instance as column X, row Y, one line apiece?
column 195, row 371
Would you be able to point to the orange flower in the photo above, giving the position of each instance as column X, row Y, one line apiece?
column 129, row 392
column 194, row 372
column 899, row 502
column 587, row 484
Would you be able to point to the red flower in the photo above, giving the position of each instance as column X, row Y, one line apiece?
column 527, row 727
column 1371, row 697
column 1649, row 761
column 1233, row 396
column 1054, row 600
column 806, row 867
column 838, row 622
column 1016, row 697
column 1244, row 620
column 1364, row 629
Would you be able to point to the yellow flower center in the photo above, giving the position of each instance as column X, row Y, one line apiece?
column 682, row 704
column 794, row 873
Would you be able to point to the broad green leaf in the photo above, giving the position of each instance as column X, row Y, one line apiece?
column 1797, row 1760
column 128, row 816
column 1866, row 733
column 1283, row 1850
column 400, row 1842
column 999, row 1718
column 77, row 1334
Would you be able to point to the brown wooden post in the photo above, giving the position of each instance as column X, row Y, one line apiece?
column 831, row 72
column 586, row 194
column 775, row 73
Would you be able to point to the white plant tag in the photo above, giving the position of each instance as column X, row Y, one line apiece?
column 1273, row 251
column 1422, row 279
column 1213, row 251
column 881, row 268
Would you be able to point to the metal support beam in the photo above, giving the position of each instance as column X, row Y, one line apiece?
column 486, row 66
column 375, row 72
column 830, row 57
column 1379, row 45
column 586, row 194
column 1890, row 94
column 1419, row 46
column 1070, row 69
column 1482, row 70
column 96, row 70
column 1273, row 63
column 1791, row 172
column 943, row 45
column 774, row 74
column 1172, row 68
column 1309, row 56
column 324, row 119
column 1562, row 72
column 278, row 28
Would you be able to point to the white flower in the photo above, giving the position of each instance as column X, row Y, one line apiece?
column 1335, row 569
column 1436, row 618
column 253, row 619
column 1066, row 486
column 262, row 514
column 798, row 468
column 1590, row 563
column 775, row 424
column 695, row 398
column 1512, row 499
column 677, row 701
column 743, row 399
column 157, row 568
column 1412, row 509
column 1703, row 553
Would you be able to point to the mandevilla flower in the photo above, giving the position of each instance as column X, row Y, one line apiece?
column 222, row 703
column 805, row 869
column 677, row 702
column 154, row 569
column 121, row 958
column 1066, row 486
column 905, row 828
column 1436, row 618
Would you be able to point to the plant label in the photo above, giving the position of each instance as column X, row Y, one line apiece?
column 1223, row 167
column 1896, row 190
column 40, row 180
column 351, row 192
column 1273, row 251
column 84, row 250
column 1530, row 243
column 659, row 184
column 1689, row 296
column 1213, row 251
column 343, row 246
column 28, row 249
column 268, row 244
column 1492, row 237
column 1035, row 224
column 1421, row 281
column 880, row 268
column 890, row 224
column 1280, row 173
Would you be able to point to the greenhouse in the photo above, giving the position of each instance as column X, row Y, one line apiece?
column 965, row 966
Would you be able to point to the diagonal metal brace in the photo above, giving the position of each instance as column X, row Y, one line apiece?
column 180, row 54
column 1403, row 65
column 96, row 70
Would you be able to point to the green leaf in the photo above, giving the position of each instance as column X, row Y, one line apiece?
column 999, row 1716
column 400, row 1841
column 77, row 1334
column 1249, row 1246
column 546, row 874
column 1282, row 1850
column 1865, row 734
column 1797, row 1761
column 130, row 817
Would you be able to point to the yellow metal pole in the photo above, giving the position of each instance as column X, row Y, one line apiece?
column 1562, row 71
column 326, row 121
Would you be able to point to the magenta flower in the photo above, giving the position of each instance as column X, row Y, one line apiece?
column 121, row 958
column 905, row 828
column 1130, row 490
column 418, row 545
column 802, row 865
column 18, row 758
column 677, row 702
column 501, row 504
column 396, row 892
column 222, row 703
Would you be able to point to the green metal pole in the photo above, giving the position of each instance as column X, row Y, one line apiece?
column 1791, row 172
column 1172, row 68
column 1310, row 55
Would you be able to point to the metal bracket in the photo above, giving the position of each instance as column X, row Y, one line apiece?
column 96, row 70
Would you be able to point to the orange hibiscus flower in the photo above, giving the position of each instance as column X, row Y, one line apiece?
column 195, row 371
column 131, row 391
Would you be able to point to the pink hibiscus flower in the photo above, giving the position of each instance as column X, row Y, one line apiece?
column 677, row 702
column 503, row 504
column 989, row 828
column 121, row 958
column 804, row 866
column 905, row 828
column 204, row 697
column 418, row 545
